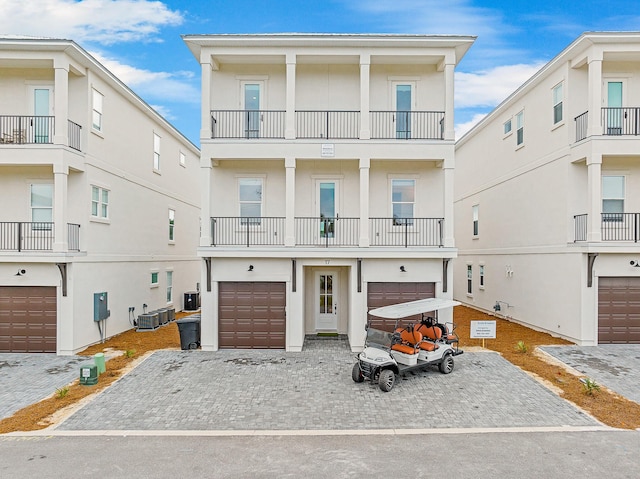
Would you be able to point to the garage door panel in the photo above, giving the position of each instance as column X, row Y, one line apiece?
column 28, row 319
column 384, row 294
column 619, row 310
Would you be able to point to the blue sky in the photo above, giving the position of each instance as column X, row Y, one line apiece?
column 139, row 40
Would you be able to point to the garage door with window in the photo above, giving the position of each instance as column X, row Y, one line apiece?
column 28, row 319
column 619, row 310
column 252, row 315
column 384, row 294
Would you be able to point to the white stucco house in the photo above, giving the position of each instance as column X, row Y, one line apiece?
column 547, row 200
column 327, row 167
column 100, row 201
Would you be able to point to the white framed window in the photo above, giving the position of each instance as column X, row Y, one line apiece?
column 169, row 286
column 182, row 158
column 172, row 219
column 506, row 127
column 520, row 128
column 99, row 202
column 613, row 193
column 557, row 103
column 475, row 210
column 154, row 279
column 403, row 199
column 250, row 199
column 96, row 105
column 156, row 152
column 469, row 279
column 41, row 198
column 481, row 276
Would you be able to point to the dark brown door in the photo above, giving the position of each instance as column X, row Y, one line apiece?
column 384, row 294
column 252, row 315
column 27, row 319
column 619, row 310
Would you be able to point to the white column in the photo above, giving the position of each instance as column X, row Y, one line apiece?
column 365, row 166
column 206, row 121
column 595, row 96
column 448, row 173
column 365, row 68
column 209, row 316
column 60, row 175
column 290, row 117
column 61, row 105
column 206, row 172
column 449, row 129
column 594, row 197
column 290, row 199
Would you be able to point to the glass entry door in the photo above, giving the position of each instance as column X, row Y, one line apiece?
column 252, row 110
column 614, row 117
column 40, row 126
column 328, row 209
column 326, row 301
column 403, row 111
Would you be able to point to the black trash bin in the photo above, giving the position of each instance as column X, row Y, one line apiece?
column 189, row 328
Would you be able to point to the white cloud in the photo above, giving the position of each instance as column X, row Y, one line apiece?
column 102, row 21
column 487, row 88
column 462, row 128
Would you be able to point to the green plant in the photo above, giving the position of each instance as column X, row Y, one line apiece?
column 521, row 347
column 62, row 392
column 590, row 386
column 129, row 353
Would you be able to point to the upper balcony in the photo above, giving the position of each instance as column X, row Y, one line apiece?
column 35, row 130
column 618, row 121
column 21, row 236
column 614, row 227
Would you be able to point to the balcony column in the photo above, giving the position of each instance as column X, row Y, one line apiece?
column 365, row 166
column 61, row 105
column 290, row 116
column 206, row 121
column 594, row 197
column 60, row 176
column 290, row 200
column 447, row 234
column 206, row 171
column 595, row 95
column 449, row 129
column 365, row 70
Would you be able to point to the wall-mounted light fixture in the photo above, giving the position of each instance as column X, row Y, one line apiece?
column 250, row 267
column 402, row 269
column 21, row 272
column 497, row 307
column 635, row 264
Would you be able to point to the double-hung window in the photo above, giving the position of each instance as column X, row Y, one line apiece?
column 42, row 206
column 169, row 286
column 403, row 197
column 506, row 127
column 475, row 210
column 156, row 152
column 96, row 104
column 99, row 202
column 612, row 198
column 172, row 218
column 520, row 128
column 250, row 200
column 182, row 159
column 481, row 273
column 557, row 104
column 469, row 279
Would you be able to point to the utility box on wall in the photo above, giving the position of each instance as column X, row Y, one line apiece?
column 100, row 309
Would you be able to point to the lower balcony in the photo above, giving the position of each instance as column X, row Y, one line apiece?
column 326, row 232
column 613, row 227
column 32, row 130
column 35, row 236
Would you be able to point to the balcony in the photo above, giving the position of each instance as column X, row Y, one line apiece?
column 327, row 124
column 32, row 130
column 326, row 232
column 618, row 121
column 613, row 227
column 35, row 236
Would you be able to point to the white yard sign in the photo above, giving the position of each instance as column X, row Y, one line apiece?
column 483, row 330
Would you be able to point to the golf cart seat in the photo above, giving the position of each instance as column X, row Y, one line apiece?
column 410, row 340
column 434, row 332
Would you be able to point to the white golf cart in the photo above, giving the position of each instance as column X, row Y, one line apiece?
column 410, row 347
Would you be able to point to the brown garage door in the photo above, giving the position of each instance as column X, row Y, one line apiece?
column 384, row 294
column 252, row 315
column 619, row 310
column 27, row 319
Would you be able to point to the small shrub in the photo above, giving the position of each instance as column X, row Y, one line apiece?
column 590, row 386
column 62, row 392
column 129, row 353
column 521, row 347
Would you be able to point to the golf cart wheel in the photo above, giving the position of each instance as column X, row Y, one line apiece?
column 356, row 373
column 446, row 366
column 387, row 380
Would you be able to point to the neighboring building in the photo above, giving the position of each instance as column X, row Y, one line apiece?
column 99, row 195
column 327, row 181
column 547, row 197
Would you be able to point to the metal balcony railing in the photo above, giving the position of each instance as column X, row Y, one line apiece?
column 34, row 236
column 620, row 121
column 613, row 227
column 75, row 136
column 580, row 227
column 248, row 124
column 26, row 130
column 327, row 232
column 327, row 124
column 582, row 124
column 407, row 125
column 247, row 231
column 406, row 231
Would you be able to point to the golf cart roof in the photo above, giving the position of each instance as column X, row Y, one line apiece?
column 402, row 310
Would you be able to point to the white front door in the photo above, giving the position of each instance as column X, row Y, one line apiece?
column 326, row 299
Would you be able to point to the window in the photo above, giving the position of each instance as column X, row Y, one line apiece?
column 182, row 159
column 97, row 110
column 169, row 286
column 507, row 127
column 469, row 279
column 172, row 217
column 475, row 209
column 99, row 202
column 557, row 104
column 612, row 198
column 156, row 152
column 403, row 197
column 42, row 205
column 250, row 199
column 481, row 285
column 403, row 111
column 520, row 128
column 154, row 279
